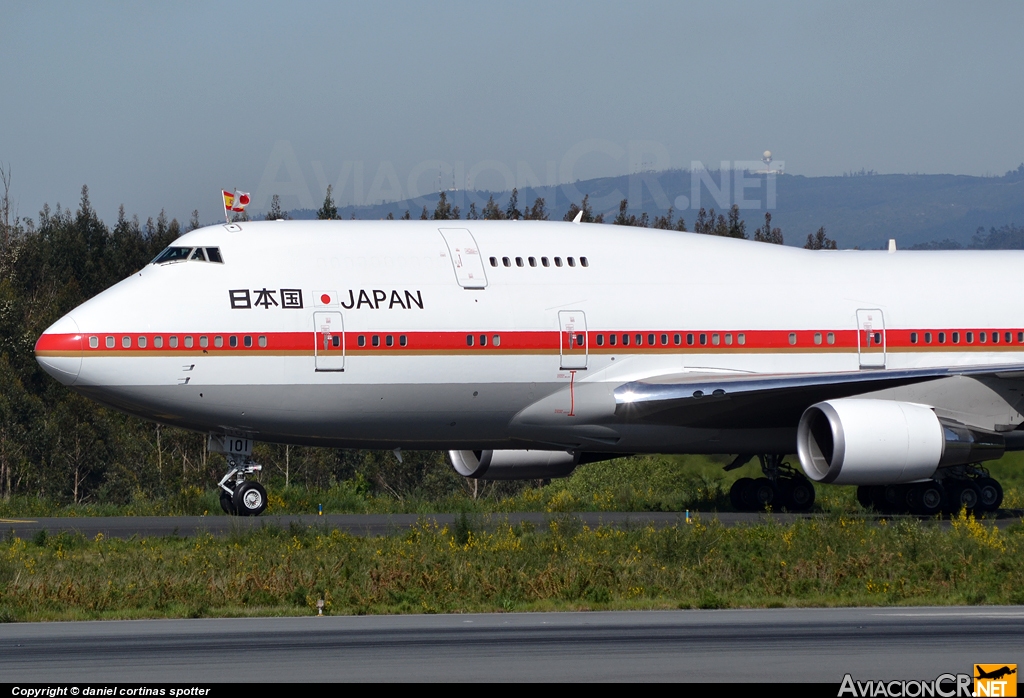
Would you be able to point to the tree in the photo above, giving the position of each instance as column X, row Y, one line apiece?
column 537, row 212
column 737, row 226
column 444, row 210
column 424, row 216
column 406, row 216
column 491, row 211
column 512, row 211
column 820, row 241
column 666, row 222
column 193, row 222
column 329, row 211
column 472, row 214
column 390, row 216
column 275, row 213
column 588, row 213
column 767, row 233
column 629, row 219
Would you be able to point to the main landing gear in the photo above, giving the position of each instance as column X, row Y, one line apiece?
column 955, row 489
column 238, row 496
column 782, row 487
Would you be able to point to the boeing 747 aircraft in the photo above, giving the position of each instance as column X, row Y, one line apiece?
column 526, row 348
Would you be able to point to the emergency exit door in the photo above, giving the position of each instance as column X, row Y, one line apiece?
column 573, row 338
column 329, row 341
column 466, row 258
column 871, row 338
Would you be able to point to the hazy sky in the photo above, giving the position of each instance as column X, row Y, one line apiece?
column 159, row 105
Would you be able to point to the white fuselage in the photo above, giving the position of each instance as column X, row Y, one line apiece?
column 368, row 334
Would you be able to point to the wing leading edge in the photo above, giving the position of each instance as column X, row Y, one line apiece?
column 765, row 400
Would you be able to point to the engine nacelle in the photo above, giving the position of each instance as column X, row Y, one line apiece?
column 514, row 464
column 859, row 441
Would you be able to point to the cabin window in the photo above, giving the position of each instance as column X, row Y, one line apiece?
column 469, row 340
column 792, row 337
column 927, row 337
column 982, row 337
column 142, row 342
column 335, row 341
column 213, row 255
column 716, row 339
column 361, row 340
column 172, row 341
column 94, row 342
column 995, row 338
column 126, row 342
column 650, row 340
column 389, row 340
column 1020, row 337
column 570, row 261
column 942, row 337
column 218, row 341
column 741, row 338
column 232, row 341
column 1007, row 337
column 263, row 341
column 969, row 337
column 494, row 261
column 956, row 338
column 584, row 262
column 830, row 338
column 204, row 341
column 703, row 339
column 558, row 261
column 247, row 341
column 188, row 341
column 689, row 338
column 600, row 340
column 158, row 342
column 375, row 340
column 506, row 261
column 913, row 337
column 639, row 339
column 625, row 340
column 612, row 339
column 581, row 340
column 544, row 261
column 676, row 339
column 532, row 261
column 483, row 340
column 496, row 340
column 664, row 339
column 817, row 337
column 403, row 340
column 519, row 261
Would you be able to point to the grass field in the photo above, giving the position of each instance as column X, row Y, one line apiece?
column 828, row 560
column 640, row 483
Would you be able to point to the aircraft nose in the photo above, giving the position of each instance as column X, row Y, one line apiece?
column 59, row 350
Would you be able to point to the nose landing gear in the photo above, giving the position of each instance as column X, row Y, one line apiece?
column 241, row 497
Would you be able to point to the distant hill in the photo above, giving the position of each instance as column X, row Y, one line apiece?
column 861, row 210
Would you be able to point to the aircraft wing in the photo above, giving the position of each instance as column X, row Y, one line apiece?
column 765, row 400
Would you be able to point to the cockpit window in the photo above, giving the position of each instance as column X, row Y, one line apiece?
column 192, row 254
column 173, row 254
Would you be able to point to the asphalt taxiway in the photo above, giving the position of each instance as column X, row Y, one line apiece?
column 788, row 645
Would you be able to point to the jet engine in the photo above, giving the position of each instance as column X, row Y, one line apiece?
column 860, row 441
column 514, row 464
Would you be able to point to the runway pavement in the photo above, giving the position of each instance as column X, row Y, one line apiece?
column 787, row 645
column 363, row 524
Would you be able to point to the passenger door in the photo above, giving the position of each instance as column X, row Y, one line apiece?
column 466, row 258
column 573, row 338
column 871, row 338
column 329, row 341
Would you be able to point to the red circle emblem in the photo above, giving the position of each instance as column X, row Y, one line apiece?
column 325, row 299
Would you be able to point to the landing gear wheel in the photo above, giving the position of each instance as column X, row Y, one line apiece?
column 763, row 494
column 250, row 499
column 990, row 494
column 226, row 504
column 963, row 494
column 866, row 496
column 926, row 498
column 891, row 499
column 801, row 495
column 737, row 494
